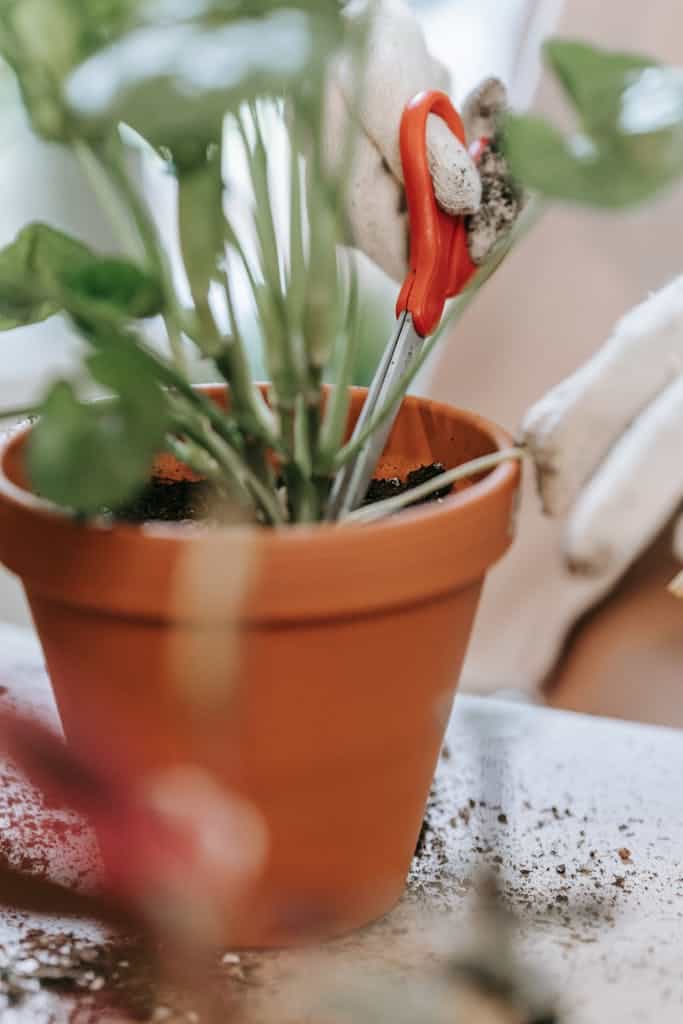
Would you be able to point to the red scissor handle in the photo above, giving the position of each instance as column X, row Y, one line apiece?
column 440, row 264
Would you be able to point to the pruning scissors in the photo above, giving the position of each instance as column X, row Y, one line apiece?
column 440, row 267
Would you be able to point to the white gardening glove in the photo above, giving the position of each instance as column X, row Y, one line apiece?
column 398, row 67
column 608, row 441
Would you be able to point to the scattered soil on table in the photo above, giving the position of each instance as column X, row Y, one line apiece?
column 68, row 965
column 101, row 978
column 191, row 501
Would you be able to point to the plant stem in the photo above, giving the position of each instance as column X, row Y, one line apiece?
column 200, row 455
column 175, row 341
column 297, row 255
column 302, row 491
column 337, row 410
column 278, row 332
column 202, row 243
column 102, row 188
column 233, row 364
column 110, row 160
column 249, row 405
column 283, row 441
column 233, row 466
column 197, row 459
column 240, row 363
column 217, row 419
column 200, row 438
column 380, row 509
column 257, row 158
column 98, row 318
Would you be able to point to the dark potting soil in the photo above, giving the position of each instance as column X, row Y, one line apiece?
column 177, row 501
column 388, row 487
column 168, row 501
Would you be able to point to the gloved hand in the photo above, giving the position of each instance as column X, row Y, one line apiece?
column 398, row 67
column 608, row 441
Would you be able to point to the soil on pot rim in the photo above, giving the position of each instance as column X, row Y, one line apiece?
column 191, row 501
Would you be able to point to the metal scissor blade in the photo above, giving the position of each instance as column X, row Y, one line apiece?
column 352, row 482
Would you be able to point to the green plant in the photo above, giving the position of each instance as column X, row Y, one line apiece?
column 195, row 86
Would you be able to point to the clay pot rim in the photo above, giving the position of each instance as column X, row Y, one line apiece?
column 41, row 508
column 423, row 553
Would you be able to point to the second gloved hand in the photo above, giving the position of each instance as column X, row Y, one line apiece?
column 608, row 441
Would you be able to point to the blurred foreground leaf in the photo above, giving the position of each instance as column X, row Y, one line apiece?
column 43, row 272
column 176, row 74
column 86, row 455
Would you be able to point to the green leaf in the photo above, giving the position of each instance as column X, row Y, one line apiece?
column 174, row 77
column 44, row 40
column 295, row 288
column 29, row 274
column 90, row 455
column 651, row 123
column 39, row 40
column 631, row 148
column 263, row 216
column 594, row 80
column 43, row 272
column 130, row 291
column 541, row 157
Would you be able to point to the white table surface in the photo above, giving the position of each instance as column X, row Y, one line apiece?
column 556, row 797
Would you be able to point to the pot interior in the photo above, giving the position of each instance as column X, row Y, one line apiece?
column 424, row 433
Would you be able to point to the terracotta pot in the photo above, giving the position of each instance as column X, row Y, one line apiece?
column 350, row 647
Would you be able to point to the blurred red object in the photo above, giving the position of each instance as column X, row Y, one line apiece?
column 177, row 852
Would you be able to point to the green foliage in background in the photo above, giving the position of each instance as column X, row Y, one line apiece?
column 628, row 145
